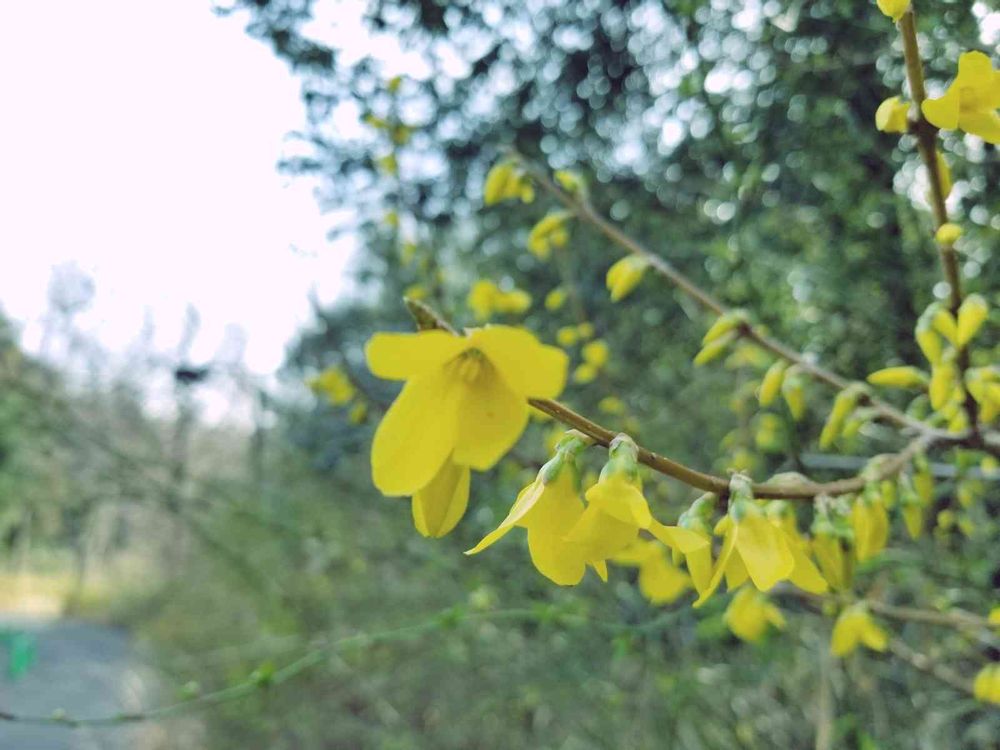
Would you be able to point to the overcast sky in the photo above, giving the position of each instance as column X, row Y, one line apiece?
column 138, row 140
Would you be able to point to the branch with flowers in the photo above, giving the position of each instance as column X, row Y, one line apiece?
column 467, row 396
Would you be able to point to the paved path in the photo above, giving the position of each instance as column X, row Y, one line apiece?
column 88, row 671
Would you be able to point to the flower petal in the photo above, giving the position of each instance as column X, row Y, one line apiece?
column 526, row 499
column 764, row 551
column 984, row 124
column 622, row 500
column 490, row 419
column 416, row 435
column 401, row 356
column 660, row 582
column 530, row 368
column 441, row 504
column 556, row 559
column 943, row 111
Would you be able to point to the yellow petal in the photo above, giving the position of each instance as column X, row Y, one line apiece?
column 416, row 435
column 725, row 555
column 846, row 634
column 526, row 500
column 600, row 535
column 441, row 504
column 971, row 316
column 560, row 562
column 764, row 551
column 685, row 541
column 986, row 125
column 621, row 500
column 529, row 367
column 660, row 582
column 943, row 111
column 401, row 356
column 490, row 419
column 805, row 574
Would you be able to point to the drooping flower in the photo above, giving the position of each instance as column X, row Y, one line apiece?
column 770, row 386
column 334, row 384
column 891, row 115
column 596, row 353
column 899, row 377
column 831, row 545
column 625, row 275
column 948, row 233
column 751, row 613
column 548, row 508
column 804, row 573
column 660, row 581
column 507, row 180
column 555, row 299
column 691, row 540
column 986, row 686
column 440, row 504
column 971, row 101
column 486, row 298
column 971, row 316
column 870, row 522
column 550, row 232
column 856, row 627
column 465, row 399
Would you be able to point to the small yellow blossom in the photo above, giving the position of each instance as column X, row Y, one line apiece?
column 507, row 180
column 894, row 8
column 585, row 331
column 994, row 617
column 334, row 384
column 595, row 353
column 855, row 627
column 971, row 316
column 611, row 405
column 714, row 348
column 660, row 581
column 843, row 405
column 513, row 302
column 625, row 275
column 549, row 233
column 899, row 377
column 555, row 299
column 793, row 390
column 486, row 298
column 948, row 233
column 571, row 182
column 770, row 386
column 465, row 399
column 567, row 336
column 986, row 686
column 891, row 115
column 870, row 523
column 415, row 291
column 584, row 374
column 440, row 504
column 750, row 613
column 971, row 101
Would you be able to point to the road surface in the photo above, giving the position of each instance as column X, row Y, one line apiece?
column 84, row 669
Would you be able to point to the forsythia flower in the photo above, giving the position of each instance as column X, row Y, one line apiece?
column 870, row 523
column 549, row 233
column 804, row 574
column 948, row 233
column 548, row 508
column 971, row 101
column 894, row 8
column 986, row 686
column 596, row 353
column 567, row 336
column 486, row 298
column 770, row 386
column 855, row 626
column 585, row 331
column 625, row 275
column 440, row 504
column 465, row 399
column 750, row 613
column 793, row 390
column 555, row 299
column 584, row 374
column 334, row 384
column 660, row 581
column 890, row 117
column 843, row 405
column 507, row 180
column 971, row 316
column 899, row 377
column 611, row 405
column 830, row 545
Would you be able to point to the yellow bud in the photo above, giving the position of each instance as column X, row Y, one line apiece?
column 913, row 518
column 482, row 299
column 794, row 392
column 948, row 234
column 416, row 291
column 596, row 353
column 945, row 324
column 611, row 405
column 971, row 315
column 567, row 336
column 713, row 349
column 555, row 299
column 929, row 343
column 771, row 384
column 942, row 384
column 586, row 330
column 891, row 115
column 944, row 173
column 585, row 373
column 723, row 325
column 625, row 275
column 498, row 183
column 843, row 405
column 899, row 377
column 569, row 181
column 986, row 686
column 894, row 8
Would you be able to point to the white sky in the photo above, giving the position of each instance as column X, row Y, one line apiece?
column 138, row 140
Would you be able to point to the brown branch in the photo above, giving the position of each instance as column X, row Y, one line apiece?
column 426, row 318
column 927, row 146
column 585, row 212
column 927, row 665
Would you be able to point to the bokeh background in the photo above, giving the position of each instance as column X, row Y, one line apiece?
column 206, row 206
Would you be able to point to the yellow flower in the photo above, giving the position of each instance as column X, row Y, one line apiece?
column 854, row 627
column 555, row 299
column 691, row 543
column 660, row 581
column 415, row 291
column 843, row 405
column 971, row 101
column 944, row 174
column 548, row 508
column 482, row 299
column 505, row 181
column 971, row 316
column 948, row 233
column 793, row 390
column 994, row 617
column 567, row 336
column 441, row 503
column 891, row 115
column 834, row 558
column 515, row 301
column 549, row 233
column 750, row 613
column 625, row 275
column 899, row 377
column 595, row 353
column 870, row 522
column 584, row 374
column 804, row 573
column 465, row 399
column 986, row 686
column 770, row 386
column 334, row 384
column 752, row 547
column 894, row 8
column 571, row 182
column 714, row 348
column 585, row 331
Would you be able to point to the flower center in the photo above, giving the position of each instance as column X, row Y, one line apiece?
column 470, row 365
